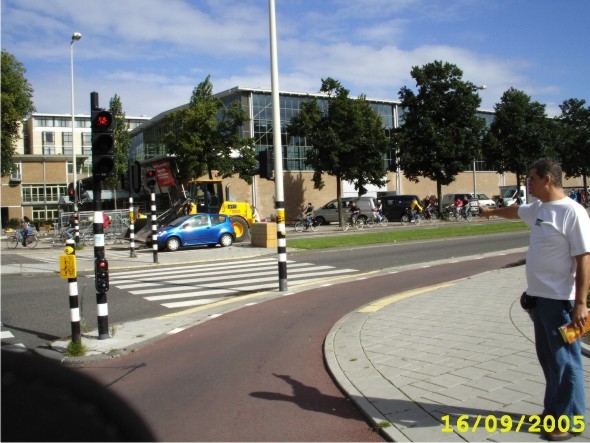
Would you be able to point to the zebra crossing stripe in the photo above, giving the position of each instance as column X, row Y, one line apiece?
column 6, row 334
column 200, row 277
column 165, row 275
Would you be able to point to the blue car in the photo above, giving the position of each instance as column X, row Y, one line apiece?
column 194, row 230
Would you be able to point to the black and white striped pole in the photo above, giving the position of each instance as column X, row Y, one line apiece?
column 132, row 253
column 278, row 151
column 68, row 270
column 151, row 182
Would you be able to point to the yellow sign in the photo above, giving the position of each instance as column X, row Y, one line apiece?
column 67, row 266
column 281, row 216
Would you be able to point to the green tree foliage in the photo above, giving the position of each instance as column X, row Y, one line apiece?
column 206, row 137
column 442, row 132
column 518, row 136
column 573, row 140
column 17, row 103
column 122, row 141
column 347, row 136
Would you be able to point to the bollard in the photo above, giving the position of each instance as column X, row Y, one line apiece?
column 132, row 253
column 67, row 269
column 154, row 226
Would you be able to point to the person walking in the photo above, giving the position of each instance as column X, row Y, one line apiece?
column 558, row 277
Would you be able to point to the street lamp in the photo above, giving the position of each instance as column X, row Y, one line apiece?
column 482, row 87
column 75, row 37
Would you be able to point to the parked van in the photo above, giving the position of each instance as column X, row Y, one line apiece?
column 329, row 212
column 394, row 206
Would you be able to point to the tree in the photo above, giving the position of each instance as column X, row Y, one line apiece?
column 347, row 136
column 122, row 142
column 442, row 132
column 573, row 141
column 207, row 137
column 17, row 104
column 518, row 136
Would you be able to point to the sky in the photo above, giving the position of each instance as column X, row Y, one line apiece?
column 153, row 53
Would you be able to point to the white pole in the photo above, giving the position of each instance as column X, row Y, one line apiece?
column 278, row 151
column 75, row 37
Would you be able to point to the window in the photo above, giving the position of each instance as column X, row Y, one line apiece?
column 48, row 143
column 86, row 143
column 16, row 173
column 67, row 143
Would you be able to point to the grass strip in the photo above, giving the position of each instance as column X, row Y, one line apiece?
column 424, row 232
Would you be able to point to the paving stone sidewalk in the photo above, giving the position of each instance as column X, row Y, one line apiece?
column 415, row 365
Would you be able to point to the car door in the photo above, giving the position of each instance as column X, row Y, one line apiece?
column 197, row 230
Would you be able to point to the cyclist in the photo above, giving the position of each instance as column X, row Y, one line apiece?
column 415, row 208
column 457, row 206
column 355, row 211
column 71, row 226
column 377, row 211
column 428, row 206
column 308, row 213
column 25, row 229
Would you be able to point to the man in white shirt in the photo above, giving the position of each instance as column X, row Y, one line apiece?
column 558, row 275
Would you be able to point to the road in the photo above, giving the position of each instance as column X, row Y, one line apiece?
column 257, row 374
column 40, row 313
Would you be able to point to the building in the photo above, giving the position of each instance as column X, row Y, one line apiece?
column 148, row 146
column 44, row 165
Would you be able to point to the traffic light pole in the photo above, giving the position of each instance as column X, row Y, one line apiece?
column 102, row 163
column 101, row 276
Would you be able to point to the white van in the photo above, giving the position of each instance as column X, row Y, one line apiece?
column 329, row 212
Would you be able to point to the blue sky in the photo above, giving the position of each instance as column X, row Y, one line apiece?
column 153, row 53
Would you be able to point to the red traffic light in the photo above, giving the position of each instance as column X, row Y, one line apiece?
column 102, row 121
column 151, row 174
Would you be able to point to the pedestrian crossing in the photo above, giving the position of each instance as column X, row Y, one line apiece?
column 194, row 285
column 7, row 344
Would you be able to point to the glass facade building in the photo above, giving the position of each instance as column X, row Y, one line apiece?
column 148, row 140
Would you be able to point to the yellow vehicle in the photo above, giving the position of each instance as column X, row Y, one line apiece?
column 209, row 197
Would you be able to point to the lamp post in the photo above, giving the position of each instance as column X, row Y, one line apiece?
column 474, row 174
column 75, row 37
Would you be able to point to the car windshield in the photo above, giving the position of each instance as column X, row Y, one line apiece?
column 179, row 221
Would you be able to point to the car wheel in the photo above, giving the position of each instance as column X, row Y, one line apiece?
column 320, row 221
column 226, row 240
column 172, row 244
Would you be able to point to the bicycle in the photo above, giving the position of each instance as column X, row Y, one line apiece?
column 358, row 224
column 304, row 224
column 59, row 238
column 17, row 239
column 416, row 218
column 87, row 237
column 372, row 220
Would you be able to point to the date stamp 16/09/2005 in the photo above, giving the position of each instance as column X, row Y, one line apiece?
column 507, row 423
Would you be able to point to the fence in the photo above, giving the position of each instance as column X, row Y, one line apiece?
column 119, row 220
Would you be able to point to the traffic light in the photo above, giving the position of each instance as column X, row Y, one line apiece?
column 71, row 192
column 103, row 144
column 266, row 165
column 150, row 178
column 82, row 191
column 101, row 277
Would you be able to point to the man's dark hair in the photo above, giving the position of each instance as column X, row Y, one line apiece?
column 548, row 167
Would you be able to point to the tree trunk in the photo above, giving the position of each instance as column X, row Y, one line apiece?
column 339, row 197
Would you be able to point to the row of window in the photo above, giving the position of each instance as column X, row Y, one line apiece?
column 43, row 193
column 79, row 122
column 49, row 143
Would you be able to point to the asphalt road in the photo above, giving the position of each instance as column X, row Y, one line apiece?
column 257, row 374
